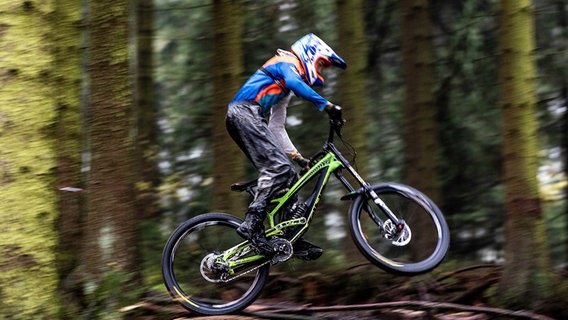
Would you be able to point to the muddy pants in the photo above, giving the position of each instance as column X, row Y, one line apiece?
column 251, row 133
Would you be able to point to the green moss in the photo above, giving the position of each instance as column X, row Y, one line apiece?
column 28, row 279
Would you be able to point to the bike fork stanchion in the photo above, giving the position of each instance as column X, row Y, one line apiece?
column 382, row 205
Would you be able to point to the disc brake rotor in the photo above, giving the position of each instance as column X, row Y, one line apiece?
column 398, row 237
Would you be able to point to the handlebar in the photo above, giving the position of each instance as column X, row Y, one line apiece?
column 335, row 126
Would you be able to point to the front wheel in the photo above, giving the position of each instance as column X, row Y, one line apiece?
column 415, row 245
column 192, row 276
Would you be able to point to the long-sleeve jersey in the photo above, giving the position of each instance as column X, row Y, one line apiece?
column 262, row 89
column 272, row 98
column 277, row 125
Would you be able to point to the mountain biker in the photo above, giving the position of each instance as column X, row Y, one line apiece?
column 266, row 143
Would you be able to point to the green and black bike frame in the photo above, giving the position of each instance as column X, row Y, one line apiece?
column 331, row 161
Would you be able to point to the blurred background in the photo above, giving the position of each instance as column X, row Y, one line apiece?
column 112, row 134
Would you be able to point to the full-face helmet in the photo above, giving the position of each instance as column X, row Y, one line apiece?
column 312, row 51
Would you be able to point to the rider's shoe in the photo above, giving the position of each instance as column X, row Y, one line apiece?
column 306, row 251
column 251, row 226
column 262, row 244
column 252, row 229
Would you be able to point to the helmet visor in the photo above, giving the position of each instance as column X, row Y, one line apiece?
column 336, row 61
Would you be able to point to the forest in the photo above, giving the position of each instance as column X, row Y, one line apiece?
column 112, row 134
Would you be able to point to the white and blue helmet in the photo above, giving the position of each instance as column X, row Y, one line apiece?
column 310, row 49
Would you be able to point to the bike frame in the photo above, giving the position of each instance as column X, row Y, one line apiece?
column 331, row 162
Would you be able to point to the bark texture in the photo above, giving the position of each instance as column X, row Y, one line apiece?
column 28, row 275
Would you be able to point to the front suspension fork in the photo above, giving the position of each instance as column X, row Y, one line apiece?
column 370, row 194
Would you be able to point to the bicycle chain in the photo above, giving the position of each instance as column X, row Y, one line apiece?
column 245, row 272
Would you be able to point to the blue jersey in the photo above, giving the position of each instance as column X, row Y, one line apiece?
column 262, row 89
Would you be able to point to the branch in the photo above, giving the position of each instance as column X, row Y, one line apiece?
column 469, row 268
column 416, row 304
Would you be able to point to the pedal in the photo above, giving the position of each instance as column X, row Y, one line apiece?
column 283, row 250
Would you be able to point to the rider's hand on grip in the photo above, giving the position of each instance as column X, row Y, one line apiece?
column 301, row 161
column 335, row 114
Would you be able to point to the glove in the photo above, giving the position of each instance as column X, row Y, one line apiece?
column 335, row 112
column 301, row 161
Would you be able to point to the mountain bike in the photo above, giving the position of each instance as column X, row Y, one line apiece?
column 210, row 270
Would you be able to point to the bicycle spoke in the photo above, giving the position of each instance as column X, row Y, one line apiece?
column 197, row 273
column 416, row 243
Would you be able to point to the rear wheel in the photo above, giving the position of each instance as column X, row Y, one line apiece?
column 194, row 278
column 417, row 244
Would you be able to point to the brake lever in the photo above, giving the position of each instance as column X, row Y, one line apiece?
column 337, row 125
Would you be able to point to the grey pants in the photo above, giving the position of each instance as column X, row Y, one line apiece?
column 251, row 133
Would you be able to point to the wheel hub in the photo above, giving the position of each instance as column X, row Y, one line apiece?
column 399, row 234
column 213, row 271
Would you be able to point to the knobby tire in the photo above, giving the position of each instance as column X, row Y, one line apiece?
column 181, row 258
column 429, row 239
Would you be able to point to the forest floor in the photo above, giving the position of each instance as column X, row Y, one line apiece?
column 357, row 294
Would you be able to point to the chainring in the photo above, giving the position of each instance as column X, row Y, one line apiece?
column 283, row 250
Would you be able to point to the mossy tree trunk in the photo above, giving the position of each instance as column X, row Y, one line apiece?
column 110, row 253
column 525, row 277
column 67, row 35
column 420, row 128
column 28, row 206
column 226, row 67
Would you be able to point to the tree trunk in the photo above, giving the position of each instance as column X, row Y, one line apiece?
column 68, row 147
column 226, row 66
column 525, row 277
column 146, row 109
column 420, row 128
column 110, row 248
column 351, row 47
column 28, row 206
column 563, row 25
